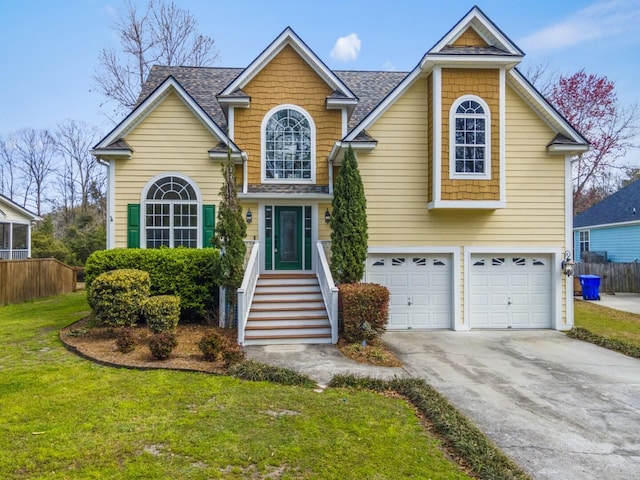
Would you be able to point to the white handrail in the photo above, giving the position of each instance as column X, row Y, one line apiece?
column 328, row 288
column 247, row 289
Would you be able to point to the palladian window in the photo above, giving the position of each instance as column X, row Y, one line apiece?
column 171, row 213
column 288, row 146
column 471, row 139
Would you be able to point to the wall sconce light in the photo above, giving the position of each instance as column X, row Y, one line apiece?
column 327, row 216
column 567, row 264
column 249, row 216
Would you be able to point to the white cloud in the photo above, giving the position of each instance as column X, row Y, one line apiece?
column 346, row 48
column 389, row 66
column 599, row 20
column 110, row 10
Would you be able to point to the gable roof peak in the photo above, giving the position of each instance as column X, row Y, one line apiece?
column 485, row 28
column 288, row 38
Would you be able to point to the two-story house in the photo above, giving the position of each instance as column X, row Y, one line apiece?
column 466, row 170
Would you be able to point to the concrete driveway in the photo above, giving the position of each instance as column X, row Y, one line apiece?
column 561, row 408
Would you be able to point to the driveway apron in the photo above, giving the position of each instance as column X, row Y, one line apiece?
column 560, row 408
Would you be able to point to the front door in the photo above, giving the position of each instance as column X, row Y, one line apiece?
column 288, row 238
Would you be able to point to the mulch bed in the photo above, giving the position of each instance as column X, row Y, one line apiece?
column 98, row 343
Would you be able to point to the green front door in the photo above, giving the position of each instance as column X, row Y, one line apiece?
column 288, row 238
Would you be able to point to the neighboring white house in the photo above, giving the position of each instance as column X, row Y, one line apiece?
column 15, row 230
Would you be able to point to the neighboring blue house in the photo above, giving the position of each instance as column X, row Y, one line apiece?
column 611, row 227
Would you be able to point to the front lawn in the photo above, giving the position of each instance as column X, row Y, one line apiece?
column 65, row 417
column 608, row 323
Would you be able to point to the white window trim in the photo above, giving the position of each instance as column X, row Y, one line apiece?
column 452, row 141
column 143, row 208
column 263, row 145
column 581, row 234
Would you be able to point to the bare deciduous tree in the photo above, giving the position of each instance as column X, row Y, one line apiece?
column 78, row 167
column 9, row 175
column 35, row 150
column 542, row 77
column 162, row 34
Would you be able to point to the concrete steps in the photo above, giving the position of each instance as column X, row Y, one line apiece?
column 287, row 308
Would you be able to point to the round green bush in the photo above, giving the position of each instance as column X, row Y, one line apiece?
column 116, row 296
column 162, row 313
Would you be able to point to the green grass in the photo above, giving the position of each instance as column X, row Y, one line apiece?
column 464, row 438
column 606, row 327
column 65, row 417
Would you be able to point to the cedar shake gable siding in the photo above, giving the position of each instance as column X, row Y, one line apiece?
column 287, row 79
column 484, row 84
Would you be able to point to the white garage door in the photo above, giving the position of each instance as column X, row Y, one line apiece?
column 510, row 291
column 419, row 287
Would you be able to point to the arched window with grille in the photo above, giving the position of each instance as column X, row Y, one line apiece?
column 288, row 146
column 171, row 206
column 470, row 145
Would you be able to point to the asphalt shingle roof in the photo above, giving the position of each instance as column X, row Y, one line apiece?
column 204, row 83
column 622, row 206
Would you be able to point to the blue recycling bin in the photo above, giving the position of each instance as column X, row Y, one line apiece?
column 590, row 287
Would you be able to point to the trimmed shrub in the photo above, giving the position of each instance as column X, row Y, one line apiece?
column 364, row 309
column 219, row 345
column 210, row 346
column 125, row 339
column 161, row 313
column 232, row 353
column 116, row 296
column 193, row 274
column 162, row 344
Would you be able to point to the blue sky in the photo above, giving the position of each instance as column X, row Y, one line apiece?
column 49, row 48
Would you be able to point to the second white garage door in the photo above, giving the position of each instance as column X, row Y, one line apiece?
column 419, row 287
column 510, row 291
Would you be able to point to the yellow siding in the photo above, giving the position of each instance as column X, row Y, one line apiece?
column 287, row 79
column 252, row 229
column 169, row 139
column 470, row 38
column 395, row 176
column 430, row 136
column 324, row 231
column 486, row 85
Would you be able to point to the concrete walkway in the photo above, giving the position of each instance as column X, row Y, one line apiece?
column 627, row 302
column 561, row 408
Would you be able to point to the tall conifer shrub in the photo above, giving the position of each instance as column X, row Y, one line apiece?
column 348, row 223
column 231, row 231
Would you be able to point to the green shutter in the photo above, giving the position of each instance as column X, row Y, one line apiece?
column 133, row 225
column 208, row 224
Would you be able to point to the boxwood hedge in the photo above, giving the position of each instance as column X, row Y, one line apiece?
column 189, row 273
column 117, row 296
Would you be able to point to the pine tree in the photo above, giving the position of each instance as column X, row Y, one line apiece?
column 348, row 223
column 231, row 231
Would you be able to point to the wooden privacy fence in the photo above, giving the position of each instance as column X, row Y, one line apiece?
column 616, row 277
column 22, row 280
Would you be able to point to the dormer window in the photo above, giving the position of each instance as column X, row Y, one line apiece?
column 470, row 146
column 288, row 146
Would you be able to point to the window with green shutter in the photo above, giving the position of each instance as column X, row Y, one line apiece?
column 208, row 224
column 133, row 225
